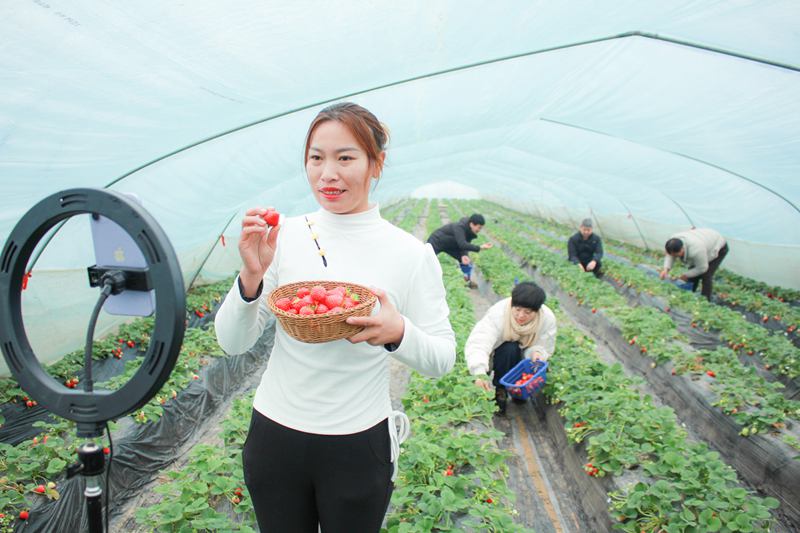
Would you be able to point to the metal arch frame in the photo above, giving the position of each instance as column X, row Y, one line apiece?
column 623, row 35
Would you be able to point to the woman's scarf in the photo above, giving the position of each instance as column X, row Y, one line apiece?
column 525, row 334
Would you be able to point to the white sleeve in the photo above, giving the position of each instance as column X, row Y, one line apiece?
column 545, row 343
column 429, row 344
column 238, row 323
column 483, row 339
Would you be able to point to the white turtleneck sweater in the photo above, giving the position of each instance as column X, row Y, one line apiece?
column 337, row 388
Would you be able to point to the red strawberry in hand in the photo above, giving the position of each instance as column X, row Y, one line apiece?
column 272, row 217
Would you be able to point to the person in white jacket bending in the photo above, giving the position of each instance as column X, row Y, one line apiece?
column 515, row 327
column 703, row 250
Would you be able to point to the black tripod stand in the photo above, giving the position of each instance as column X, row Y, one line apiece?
column 91, row 465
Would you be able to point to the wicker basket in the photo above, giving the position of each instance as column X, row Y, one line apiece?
column 321, row 328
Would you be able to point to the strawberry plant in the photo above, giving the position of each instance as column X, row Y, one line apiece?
column 204, row 493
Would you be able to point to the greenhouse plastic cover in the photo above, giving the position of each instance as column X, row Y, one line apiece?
column 649, row 116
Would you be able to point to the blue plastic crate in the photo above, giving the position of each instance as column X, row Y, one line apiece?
column 530, row 387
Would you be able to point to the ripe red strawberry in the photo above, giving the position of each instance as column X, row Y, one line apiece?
column 318, row 293
column 347, row 303
column 283, row 303
column 39, row 489
column 237, row 491
column 336, row 309
column 321, row 309
column 292, row 311
column 594, row 309
column 131, row 344
column 106, row 450
column 333, row 300
column 29, row 403
column 272, row 217
column 711, row 373
column 489, row 500
column 303, row 291
column 308, row 300
column 306, row 310
column 341, row 290
column 200, row 314
column 297, row 303
column 23, row 515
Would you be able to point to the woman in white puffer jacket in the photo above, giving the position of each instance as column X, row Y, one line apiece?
column 513, row 328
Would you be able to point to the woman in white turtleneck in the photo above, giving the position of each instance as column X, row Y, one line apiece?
column 322, row 436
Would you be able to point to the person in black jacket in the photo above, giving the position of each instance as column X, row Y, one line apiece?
column 454, row 240
column 586, row 249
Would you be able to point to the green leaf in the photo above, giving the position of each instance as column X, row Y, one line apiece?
column 56, row 466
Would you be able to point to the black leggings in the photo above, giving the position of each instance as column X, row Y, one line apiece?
column 506, row 356
column 298, row 480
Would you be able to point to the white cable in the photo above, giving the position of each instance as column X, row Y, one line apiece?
column 399, row 430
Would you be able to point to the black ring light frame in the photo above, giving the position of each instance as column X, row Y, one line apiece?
column 91, row 410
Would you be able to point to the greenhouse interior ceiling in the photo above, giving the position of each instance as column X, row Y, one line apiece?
column 651, row 117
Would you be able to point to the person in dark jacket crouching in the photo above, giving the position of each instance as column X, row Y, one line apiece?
column 586, row 249
column 454, row 240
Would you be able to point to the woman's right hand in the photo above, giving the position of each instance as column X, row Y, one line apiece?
column 257, row 245
column 483, row 384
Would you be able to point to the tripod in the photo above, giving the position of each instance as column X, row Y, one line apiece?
column 91, row 465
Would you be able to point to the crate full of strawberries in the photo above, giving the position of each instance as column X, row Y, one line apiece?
column 525, row 379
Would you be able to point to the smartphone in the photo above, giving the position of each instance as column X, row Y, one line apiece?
column 113, row 247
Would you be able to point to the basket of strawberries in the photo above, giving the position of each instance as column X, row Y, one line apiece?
column 316, row 311
column 525, row 379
